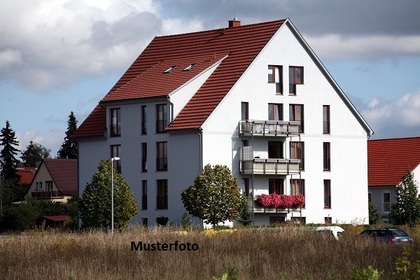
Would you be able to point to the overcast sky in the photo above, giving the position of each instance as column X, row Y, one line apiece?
column 58, row 56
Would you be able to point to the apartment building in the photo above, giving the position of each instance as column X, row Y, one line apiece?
column 253, row 97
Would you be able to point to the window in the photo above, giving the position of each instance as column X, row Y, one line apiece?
column 48, row 186
column 297, row 151
column 145, row 222
column 275, row 75
column 327, row 194
column 275, row 186
column 169, row 70
column 297, row 186
column 116, row 152
column 38, row 186
column 295, row 78
column 244, row 111
column 161, row 156
column 277, row 220
column 296, row 114
column 162, row 194
column 189, row 67
column 326, row 119
column 115, row 122
column 328, row 220
column 245, row 182
column 144, row 157
column 143, row 120
column 161, row 117
column 144, row 195
column 327, row 156
column 275, row 111
column 387, row 202
column 275, row 149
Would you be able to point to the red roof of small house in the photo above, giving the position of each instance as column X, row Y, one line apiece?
column 64, row 174
column 390, row 159
column 146, row 77
column 57, row 218
column 26, row 174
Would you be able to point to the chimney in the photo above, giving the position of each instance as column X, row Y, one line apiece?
column 234, row 23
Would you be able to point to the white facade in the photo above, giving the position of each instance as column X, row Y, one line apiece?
column 219, row 141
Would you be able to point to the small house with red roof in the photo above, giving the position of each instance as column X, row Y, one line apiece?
column 389, row 160
column 253, row 97
column 55, row 180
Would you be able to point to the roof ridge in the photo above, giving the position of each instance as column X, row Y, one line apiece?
column 221, row 28
column 396, row 138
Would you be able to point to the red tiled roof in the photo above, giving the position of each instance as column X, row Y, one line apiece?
column 64, row 174
column 57, row 218
column 242, row 44
column 26, row 174
column 94, row 125
column 390, row 159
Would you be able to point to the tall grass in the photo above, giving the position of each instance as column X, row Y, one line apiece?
column 277, row 253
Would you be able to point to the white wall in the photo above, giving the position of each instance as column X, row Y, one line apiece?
column 348, row 139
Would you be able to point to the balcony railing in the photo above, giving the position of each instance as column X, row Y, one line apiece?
column 46, row 194
column 270, row 166
column 269, row 128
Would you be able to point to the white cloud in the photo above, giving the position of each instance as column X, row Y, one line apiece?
column 47, row 44
column 51, row 139
column 394, row 118
column 362, row 47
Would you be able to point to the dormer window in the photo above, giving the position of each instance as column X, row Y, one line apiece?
column 191, row 66
column 169, row 70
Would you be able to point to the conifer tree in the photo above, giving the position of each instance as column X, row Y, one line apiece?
column 407, row 208
column 8, row 154
column 68, row 149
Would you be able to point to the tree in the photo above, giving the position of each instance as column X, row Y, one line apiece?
column 7, row 155
column 95, row 205
column 34, row 154
column 374, row 216
column 68, row 149
column 214, row 197
column 407, row 208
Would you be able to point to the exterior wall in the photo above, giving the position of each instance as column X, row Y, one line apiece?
column 348, row 139
column 43, row 176
column 220, row 142
column 376, row 194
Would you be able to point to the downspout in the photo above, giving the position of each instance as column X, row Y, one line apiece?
column 79, row 222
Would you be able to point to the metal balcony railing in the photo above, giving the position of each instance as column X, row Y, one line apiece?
column 270, row 166
column 269, row 128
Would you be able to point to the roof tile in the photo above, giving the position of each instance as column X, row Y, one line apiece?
column 390, row 159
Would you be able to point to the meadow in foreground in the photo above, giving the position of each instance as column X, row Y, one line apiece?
column 271, row 253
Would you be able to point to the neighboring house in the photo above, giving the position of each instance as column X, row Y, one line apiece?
column 26, row 174
column 55, row 180
column 389, row 160
column 255, row 98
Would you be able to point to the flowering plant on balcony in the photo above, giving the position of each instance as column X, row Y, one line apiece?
column 281, row 201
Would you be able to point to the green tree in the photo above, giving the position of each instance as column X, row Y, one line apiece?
column 8, row 154
column 407, row 208
column 245, row 217
column 95, row 204
column 68, row 149
column 34, row 153
column 374, row 215
column 214, row 197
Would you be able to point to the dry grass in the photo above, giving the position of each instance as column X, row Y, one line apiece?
column 279, row 253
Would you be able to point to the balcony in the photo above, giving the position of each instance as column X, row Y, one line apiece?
column 270, row 166
column 269, row 128
column 46, row 194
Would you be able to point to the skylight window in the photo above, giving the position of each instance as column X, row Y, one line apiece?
column 169, row 70
column 191, row 66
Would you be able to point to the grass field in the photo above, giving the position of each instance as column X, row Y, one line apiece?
column 273, row 253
